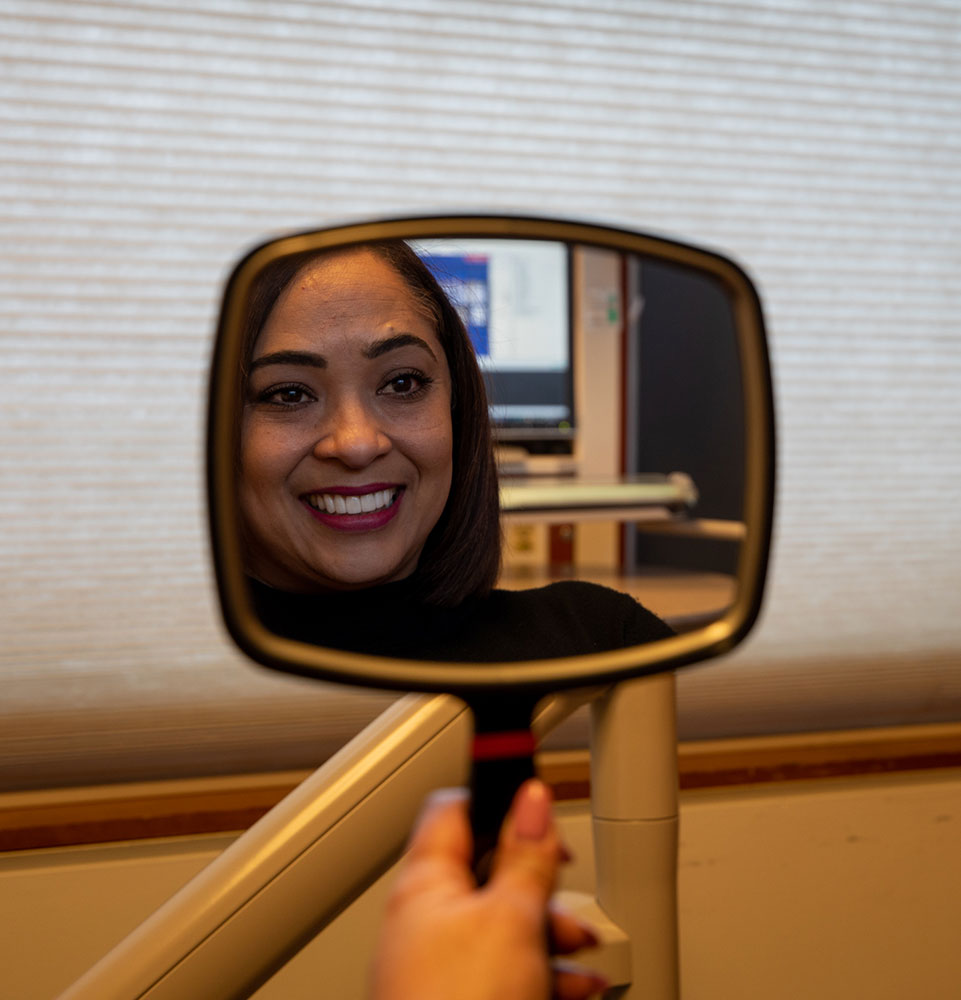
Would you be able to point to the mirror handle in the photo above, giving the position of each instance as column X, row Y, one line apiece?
column 502, row 760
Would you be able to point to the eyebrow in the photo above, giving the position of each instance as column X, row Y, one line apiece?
column 311, row 359
column 307, row 358
column 380, row 347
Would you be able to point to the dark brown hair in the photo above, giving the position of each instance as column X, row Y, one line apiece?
column 462, row 554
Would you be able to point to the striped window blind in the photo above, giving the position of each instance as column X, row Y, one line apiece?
column 144, row 144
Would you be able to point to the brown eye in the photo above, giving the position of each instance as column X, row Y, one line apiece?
column 289, row 396
column 285, row 396
column 406, row 384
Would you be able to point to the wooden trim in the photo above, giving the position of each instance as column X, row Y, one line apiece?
column 792, row 757
column 107, row 813
column 807, row 756
column 70, row 816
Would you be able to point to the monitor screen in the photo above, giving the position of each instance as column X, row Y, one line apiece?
column 514, row 297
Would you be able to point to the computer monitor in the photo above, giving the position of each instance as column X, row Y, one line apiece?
column 515, row 299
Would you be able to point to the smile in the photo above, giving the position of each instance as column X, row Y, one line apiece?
column 344, row 503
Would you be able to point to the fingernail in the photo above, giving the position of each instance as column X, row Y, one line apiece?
column 532, row 812
column 592, row 940
column 599, row 983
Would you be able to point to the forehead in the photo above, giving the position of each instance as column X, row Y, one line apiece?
column 352, row 293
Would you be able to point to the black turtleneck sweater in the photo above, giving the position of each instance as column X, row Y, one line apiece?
column 563, row 619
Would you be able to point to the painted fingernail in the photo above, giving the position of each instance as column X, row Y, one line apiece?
column 592, row 940
column 598, row 983
column 532, row 812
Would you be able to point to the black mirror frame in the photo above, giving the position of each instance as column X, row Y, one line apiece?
column 340, row 666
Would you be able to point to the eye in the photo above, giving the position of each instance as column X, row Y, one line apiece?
column 285, row 396
column 408, row 384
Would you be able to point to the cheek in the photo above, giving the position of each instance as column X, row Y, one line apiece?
column 443, row 471
column 437, row 451
column 264, row 459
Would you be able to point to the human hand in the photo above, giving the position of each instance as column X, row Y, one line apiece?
column 444, row 938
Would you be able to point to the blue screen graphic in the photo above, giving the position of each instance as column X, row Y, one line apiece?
column 464, row 280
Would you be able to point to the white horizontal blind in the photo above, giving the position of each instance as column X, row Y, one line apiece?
column 144, row 144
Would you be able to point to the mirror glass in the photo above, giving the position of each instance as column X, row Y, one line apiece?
column 474, row 448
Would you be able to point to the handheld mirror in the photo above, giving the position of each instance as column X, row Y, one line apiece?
column 490, row 456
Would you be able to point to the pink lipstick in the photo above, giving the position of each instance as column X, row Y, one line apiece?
column 354, row 508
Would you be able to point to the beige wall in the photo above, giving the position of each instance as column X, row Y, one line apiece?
column 840, row 888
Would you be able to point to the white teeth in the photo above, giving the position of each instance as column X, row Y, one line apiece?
column 364, row 503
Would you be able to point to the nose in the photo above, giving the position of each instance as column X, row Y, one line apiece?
column 353, row 435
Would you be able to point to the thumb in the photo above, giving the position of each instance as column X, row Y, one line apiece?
column 529, row 850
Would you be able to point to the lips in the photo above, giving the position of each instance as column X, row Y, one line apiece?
column 354, row 508
column 352, row 503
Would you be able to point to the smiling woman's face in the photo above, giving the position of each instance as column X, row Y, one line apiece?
column 346, row 439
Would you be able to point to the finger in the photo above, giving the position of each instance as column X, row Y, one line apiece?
column 528, row 851
column 442, row 820
column 571, row 982
column 441, row 836
column 567, row 933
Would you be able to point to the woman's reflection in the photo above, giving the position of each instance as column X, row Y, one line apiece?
column 368, row 488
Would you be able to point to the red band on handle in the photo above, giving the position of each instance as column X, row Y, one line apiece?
column 494, row 746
